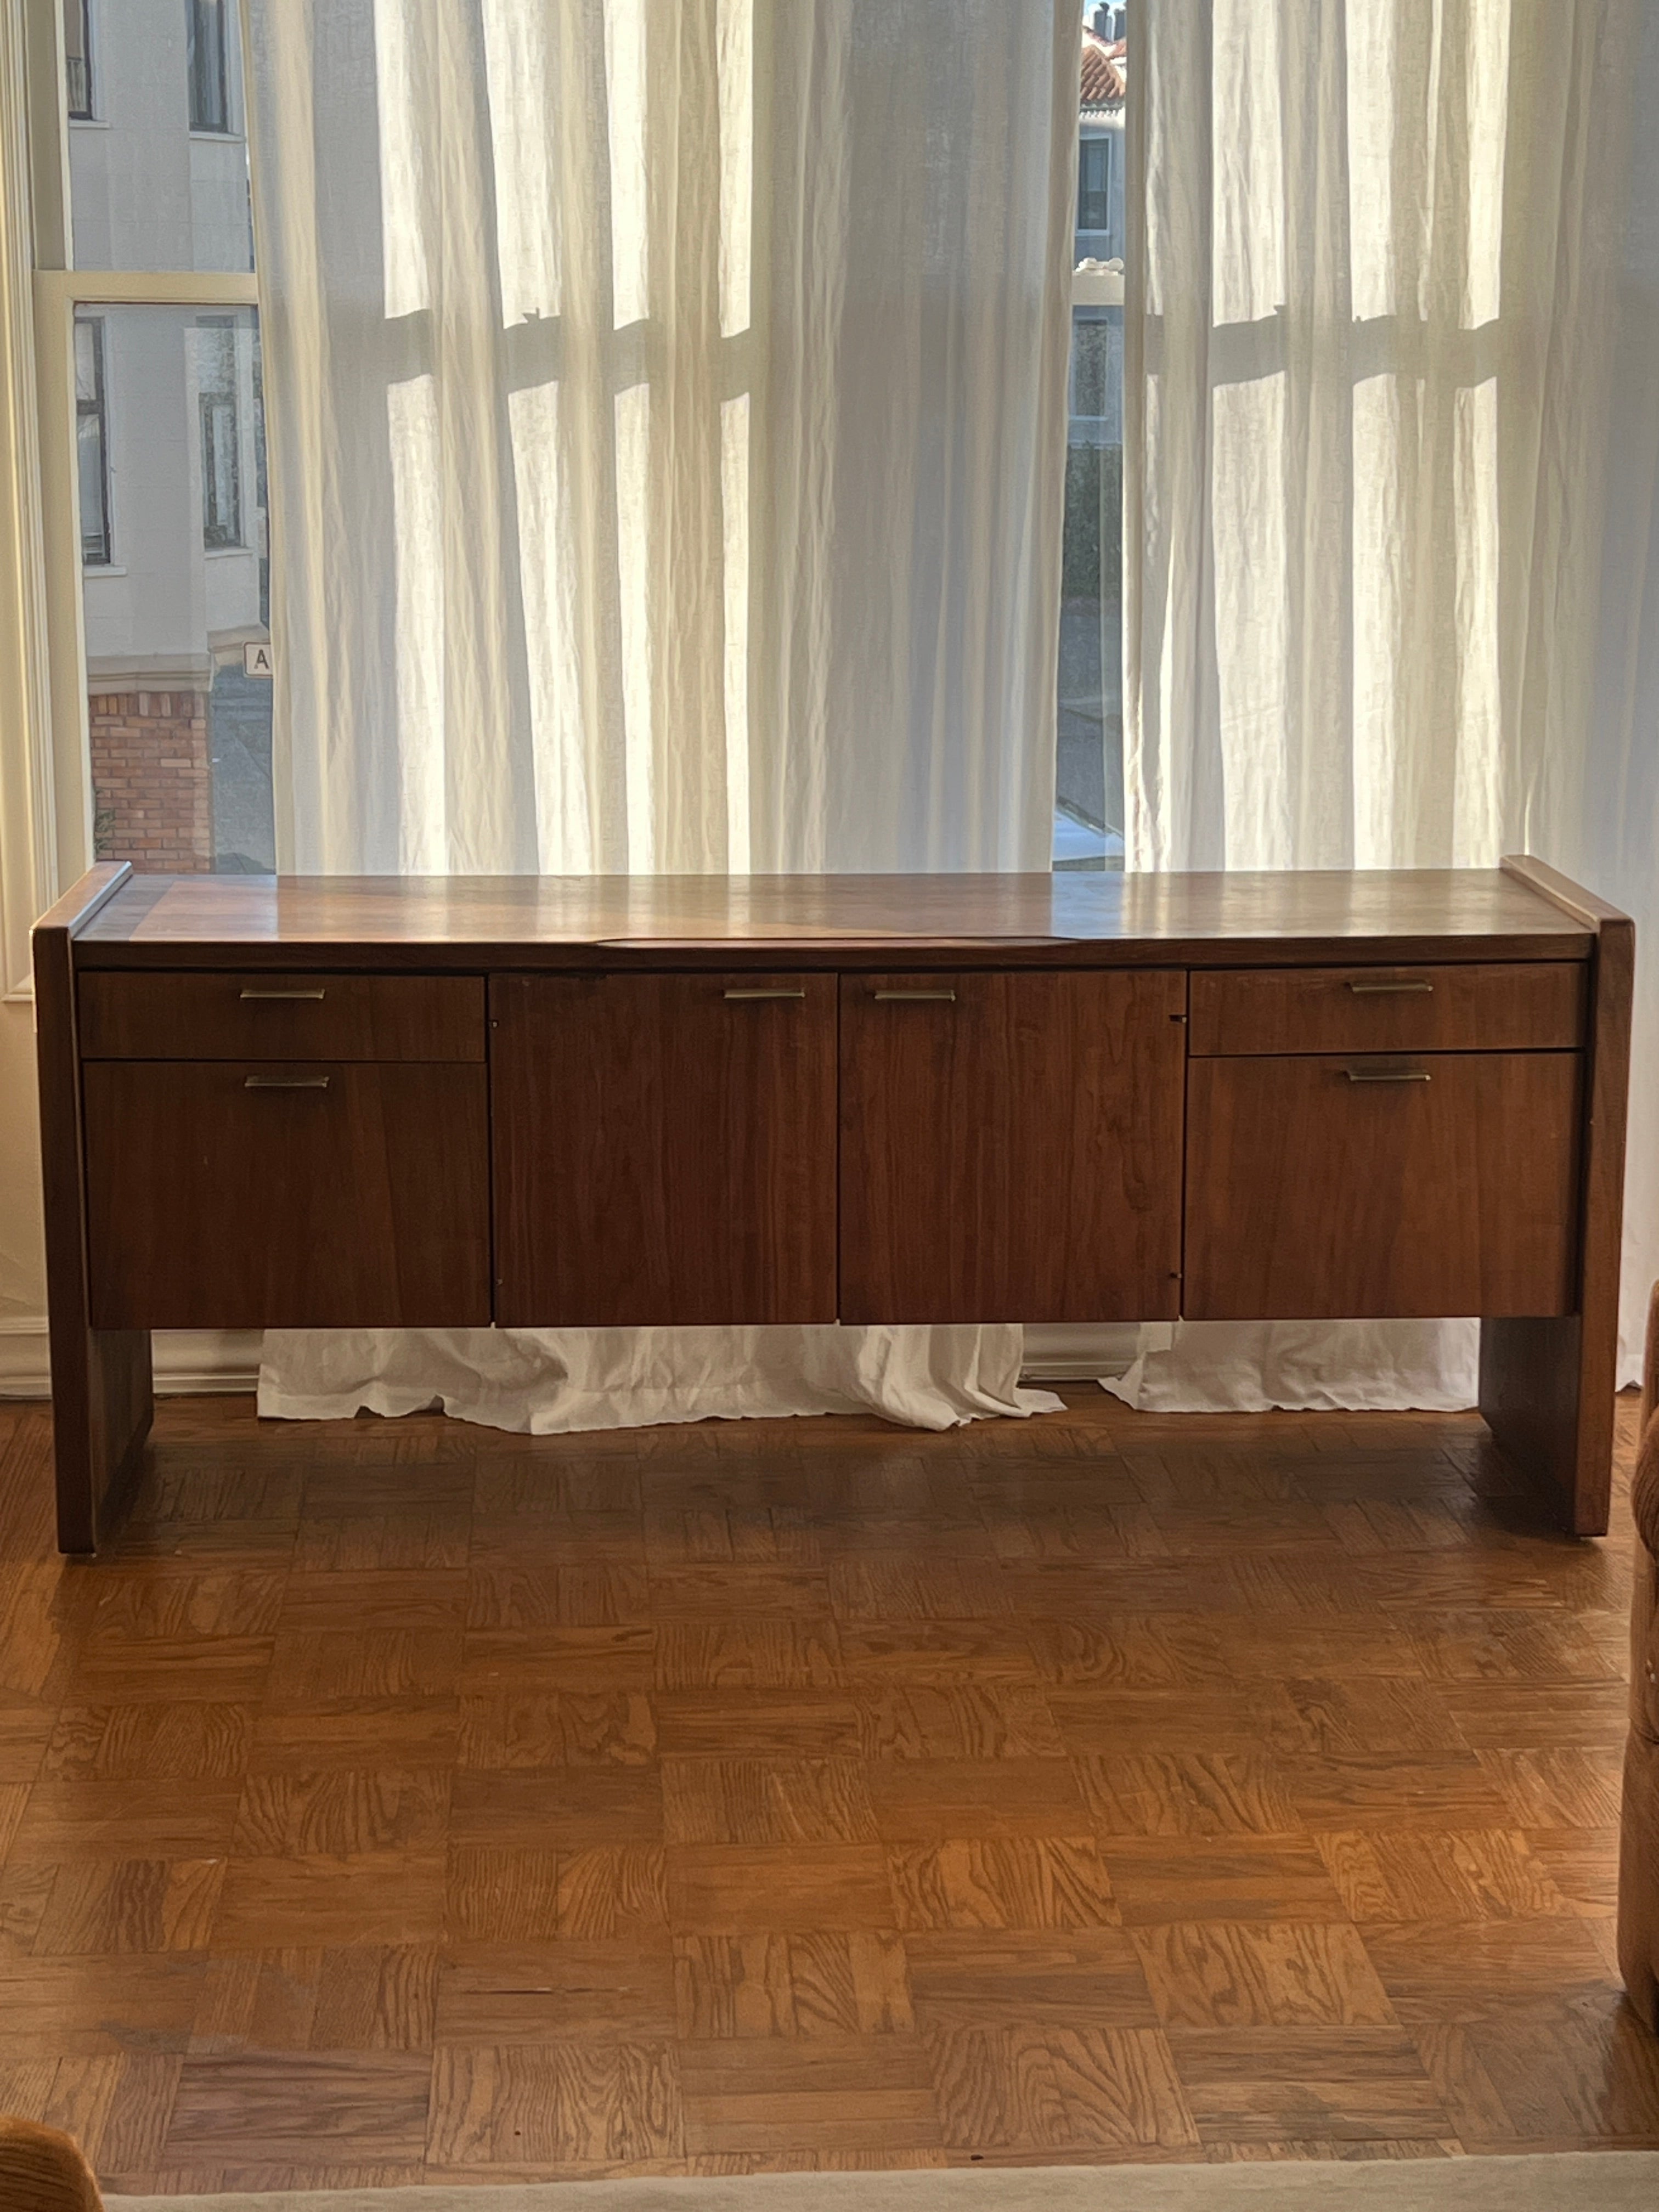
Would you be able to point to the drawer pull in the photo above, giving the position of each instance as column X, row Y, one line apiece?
column 1419, row 985
column 285, row 1083
column 316, row 994
column 764, row 994
column 1388, row 1075
column 903, row 995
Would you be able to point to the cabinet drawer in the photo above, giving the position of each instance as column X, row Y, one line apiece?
column 229, row 1195
column 1517, row 1006
column 175, row 1017
column 1325, row 1188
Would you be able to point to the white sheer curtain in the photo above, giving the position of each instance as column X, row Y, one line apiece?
column 1391, row 355
column 667, row 415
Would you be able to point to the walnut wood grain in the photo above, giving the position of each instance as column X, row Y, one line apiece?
column 1472, row 1006
column 163, row 1016
column 1011, row 1150
column 665, row 1151
column 100, row 1379
column 1349, row 1187
column 1546, row 1385
column 870, row 921
column 358, row 1199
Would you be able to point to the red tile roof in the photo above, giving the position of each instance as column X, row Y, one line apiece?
column 1103, row 79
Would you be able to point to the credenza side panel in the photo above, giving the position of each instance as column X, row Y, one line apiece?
column 665, row 1149
column 1011, row 1146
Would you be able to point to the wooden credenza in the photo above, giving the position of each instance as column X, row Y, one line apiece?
column 332, row 1102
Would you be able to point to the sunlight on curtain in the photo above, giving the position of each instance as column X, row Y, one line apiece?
column 423, row 808
column 564, row 826
column 400, row 98
column 625, row 105
column 734, row 569
column 519, row 74
column 1477, row 808
column 634, row 593
column 736, row 49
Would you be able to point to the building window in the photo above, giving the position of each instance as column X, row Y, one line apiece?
column 1094, row 184
column 221, row 460
column 92, row 440
column 78, row 59
column 209, row 77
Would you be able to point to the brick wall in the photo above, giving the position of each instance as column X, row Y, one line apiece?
column 152, row 780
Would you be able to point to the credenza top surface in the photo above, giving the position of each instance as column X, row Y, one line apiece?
column 1213, row 920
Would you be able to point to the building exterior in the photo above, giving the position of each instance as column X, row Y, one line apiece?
column 167, row 403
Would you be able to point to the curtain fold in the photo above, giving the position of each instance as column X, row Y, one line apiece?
column 1391, row 398
column 666, row 415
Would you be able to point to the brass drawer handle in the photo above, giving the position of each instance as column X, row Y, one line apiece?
column 285, row 1083
column 1388, row 1075
column 317, row 993
column 1420, row 986
column 904, row 995
column 763, row 994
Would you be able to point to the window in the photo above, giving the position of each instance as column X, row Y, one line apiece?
column 209, row 81
column 92, row 440
column 78, row 59
column 1094, row 184
column 222, row 458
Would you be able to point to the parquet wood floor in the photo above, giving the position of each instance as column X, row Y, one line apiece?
column 399, row 1801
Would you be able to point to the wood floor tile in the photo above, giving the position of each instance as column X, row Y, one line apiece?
column 527, row 1727
column 84, row 2008
column 1278, row 1974
column 1558, row 1787
column 379, row 1897
column 1159, row 1878
column 756, row 1723
column 1187, row 1793
column 1429, row 1790
column 962, row 1769
column 968, row 1979
column 97, row 1909
column 177, row 1742
column 830, row 1983
column 1488, row 1875
column 574, row 1991
column 898, row 1586
column 752, row 2095
column 504, row 2108
column 963, row 1720
column 104, row 1819
column 299, row 2106
column 414, row 1733
column 341, row 1813
column 767, row 1800
column 1007, row 1881
column 748, row 1655
column 153, row 1669
column 569, row 1807
column 1437, row 1970
column 1340, row 2084
column 740, row 1889
column 908, row 1652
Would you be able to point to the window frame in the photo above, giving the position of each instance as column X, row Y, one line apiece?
column 98, row 409
column 61, row 766
column 211, row 405
column 198, row 14
column 89, row 63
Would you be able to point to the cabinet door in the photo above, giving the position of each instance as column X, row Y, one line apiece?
column 1011, row 1146
column 265, row 1194
column 665, row 1149
column 1323, row 1188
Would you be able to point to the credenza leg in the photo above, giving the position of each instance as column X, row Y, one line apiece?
column 101, row 1407
column 1546, row 1390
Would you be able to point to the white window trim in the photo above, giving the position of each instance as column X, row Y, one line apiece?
column 45, row 785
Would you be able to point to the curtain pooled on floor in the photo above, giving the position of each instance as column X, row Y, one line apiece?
column 666, row 408
column 1392, row 403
